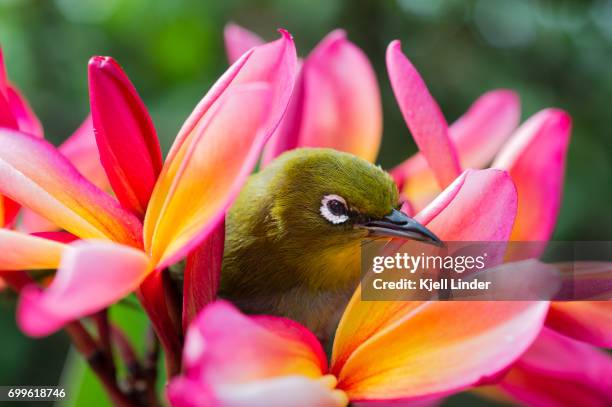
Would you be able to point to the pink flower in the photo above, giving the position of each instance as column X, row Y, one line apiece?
column 80, row 149
column 329, row 107
column 558, row 371
column 533, row 154
column 382, row 350
column 163, row 213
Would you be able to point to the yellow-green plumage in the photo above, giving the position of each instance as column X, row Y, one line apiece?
column 282, row 257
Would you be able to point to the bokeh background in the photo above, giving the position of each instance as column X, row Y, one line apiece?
column 553, row 53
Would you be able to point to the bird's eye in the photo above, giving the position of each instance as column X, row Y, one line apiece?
column 334, row 209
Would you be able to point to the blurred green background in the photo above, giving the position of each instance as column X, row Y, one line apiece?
column 553, row 53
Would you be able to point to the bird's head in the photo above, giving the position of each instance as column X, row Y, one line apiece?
column 324, row 198
column 308, row 214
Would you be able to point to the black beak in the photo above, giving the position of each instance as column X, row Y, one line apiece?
column 398, row 224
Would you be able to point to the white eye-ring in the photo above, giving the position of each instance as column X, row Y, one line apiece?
column 334, row 209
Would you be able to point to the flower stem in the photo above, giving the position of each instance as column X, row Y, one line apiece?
column 139, row 383
column 104, row 331
column 99, row 363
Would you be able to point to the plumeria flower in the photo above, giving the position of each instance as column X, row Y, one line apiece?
column 533, row 154
column 535, row 158
column 80, row 148
column 15, row 111
column 560, row 371
column 382, row 350
column 329, row 108
column 161, row 212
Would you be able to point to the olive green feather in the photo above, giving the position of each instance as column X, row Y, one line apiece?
column 282, row 256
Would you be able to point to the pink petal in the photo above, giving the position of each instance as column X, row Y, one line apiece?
column 225, row 346
column 125, row 135
column 202, row 272
column 92, row 275
column 25, row 252
column 62, row 237
column 9, row 210
column 239, row 40
column 3, row 76
column 195, row 189
column 535, row 159
column 15, row 112
column 27, row 121
column 587, row 321
column 81, row 150
column 35, row 174
column 423, row 116
column 557, row 371
column 478, row 206
column 6, row 114
column 31, row 222
column 477, row 135
column 274, row 63
column 330, row 108
column 483, row 129
column 294, row 391
column 414, row 350
column 235, row 360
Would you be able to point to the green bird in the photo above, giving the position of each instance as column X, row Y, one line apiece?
column 294, row 235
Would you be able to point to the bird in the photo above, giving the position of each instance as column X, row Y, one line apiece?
column 295, row 231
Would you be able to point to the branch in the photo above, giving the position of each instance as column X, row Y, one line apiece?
column 99, row 363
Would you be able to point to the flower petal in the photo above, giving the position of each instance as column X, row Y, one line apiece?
column 6, row 114
column 479, row 206
column 125, row 135
column 477, row 135
column 197, row 186
column 27, row 121
column 330, row 108
column 224, row 346
column 202, row 273
column 81, row 150
column 404, row 336
column 420, row 350
column 16, row 280
column 587, row 321
column 239, row 40
column 535, row 158
column 25, row 252
column 34, row 174
column 295, row 391
column 482, row 130
column 15, row 112
column 9, row 210
column 274, row 63
column 423, row 116
column 92, row 275
column 558, row 371
column 3, row 76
